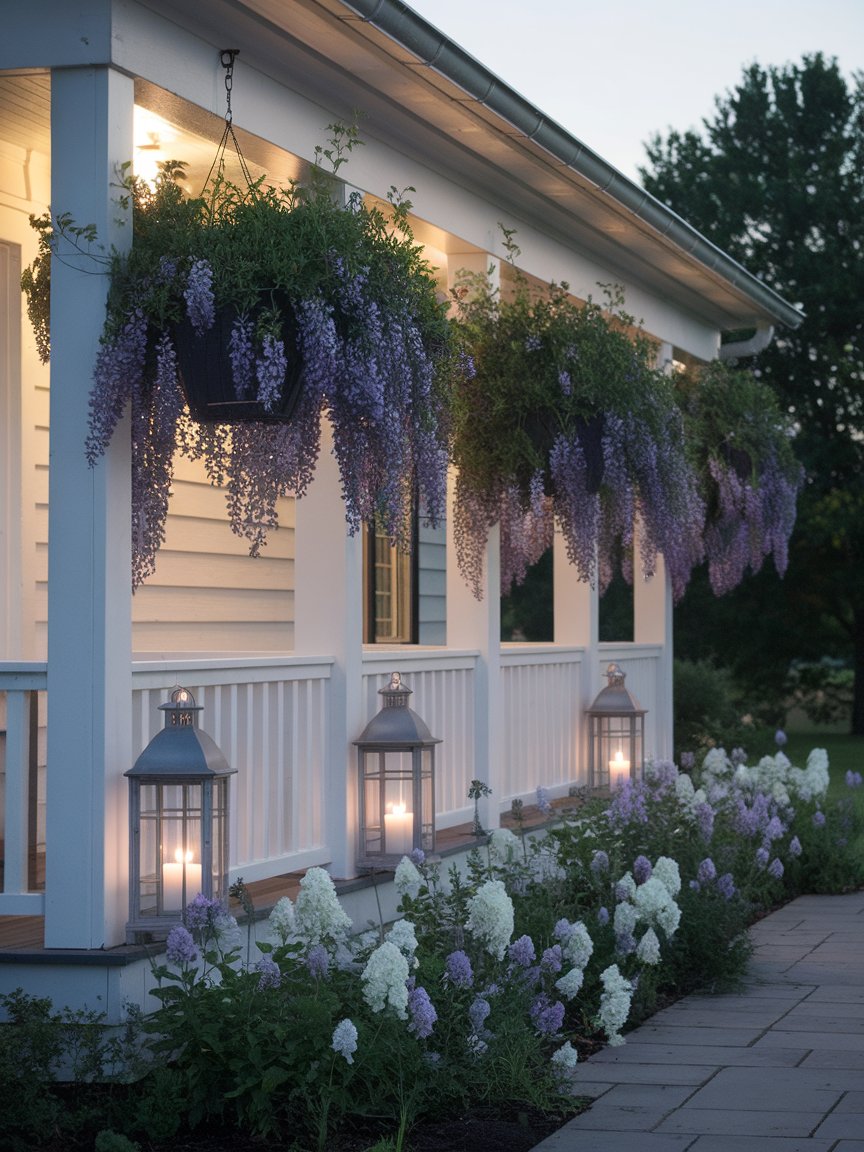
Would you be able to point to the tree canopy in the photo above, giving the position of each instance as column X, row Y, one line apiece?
column 776, row 178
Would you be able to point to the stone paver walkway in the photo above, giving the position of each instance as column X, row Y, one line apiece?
column 776, row 1067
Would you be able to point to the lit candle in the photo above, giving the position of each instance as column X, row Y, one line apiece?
column 619, row 770
column 172, row 881
column 399, row 830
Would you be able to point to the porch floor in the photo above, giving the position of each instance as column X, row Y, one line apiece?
column 24, row 936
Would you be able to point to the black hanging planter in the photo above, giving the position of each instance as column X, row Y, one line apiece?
column 589, row 431
column 207, row 379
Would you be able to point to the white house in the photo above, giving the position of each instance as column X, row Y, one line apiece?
column 274, row 648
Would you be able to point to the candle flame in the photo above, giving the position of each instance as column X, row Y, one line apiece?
column 180, row 858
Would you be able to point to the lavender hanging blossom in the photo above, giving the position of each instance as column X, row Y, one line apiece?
column 198, row 294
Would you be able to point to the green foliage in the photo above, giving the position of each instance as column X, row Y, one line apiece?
column 776, row 178
column 822, row 690
column 710, row 711
column 521, row 342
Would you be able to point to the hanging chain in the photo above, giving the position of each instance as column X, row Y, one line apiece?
column 227, row 58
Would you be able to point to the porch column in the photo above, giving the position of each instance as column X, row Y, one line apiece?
column 89, row 566
column 328, row 621
column 652, row 624
column 576, row 624
column 476, row 624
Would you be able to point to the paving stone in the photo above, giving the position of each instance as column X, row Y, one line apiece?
column 851, row 1061
column 792, row 1089
column 726, row 1037
column 840, row 1125
column 601, row 1117
column 778, row 1038
column 740, row 1018
column 662, row 1096
column 568, row 1140
column 761, row 1144
column 692, row 1054
column 655, row 1074
column 730, row 1122
column 852, row 1102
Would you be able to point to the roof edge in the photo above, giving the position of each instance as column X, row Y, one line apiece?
column 412, row 32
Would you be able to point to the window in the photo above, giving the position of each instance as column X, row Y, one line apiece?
column 390, row 579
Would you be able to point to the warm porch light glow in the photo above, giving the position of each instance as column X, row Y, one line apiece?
column 182, row 874
column 154, row 140
column 399, row 829
column 619, row 769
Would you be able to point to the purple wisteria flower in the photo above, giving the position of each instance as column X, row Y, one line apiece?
column 818, row 819
column 552, row 959
column 687, row 761
column 521, row 952
column 269, row 974
column 600, row 862
column 853, row 779
column 180, row 948
column 795, row 848
column 271, row 368
column 738, row 756
column 774, row 830
column 726, row 885
column 318, row 962
column 762, row 856
column 629, row 805
column 775, row 868
column 543, row 801
column 418, row 857
column 344, row 1040
column 242, row 354
column 625, row 943
column 641, row 869
column 706, row 872
column 457, row 970
column 198, row 294
column 602, row 916
column 478, row 1013
column 547, row 1015
column 422, row 1013
column 780, row 738
column 704, row 814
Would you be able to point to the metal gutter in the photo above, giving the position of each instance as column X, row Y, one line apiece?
column 402, row 24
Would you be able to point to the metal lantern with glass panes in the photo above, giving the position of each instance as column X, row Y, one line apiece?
column 616, row 734
column 396, row 759
column 178, row 822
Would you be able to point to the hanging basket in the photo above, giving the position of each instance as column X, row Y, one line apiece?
column 589, row 431
column 207, row 378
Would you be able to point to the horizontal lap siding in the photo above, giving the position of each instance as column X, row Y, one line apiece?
column 207, row 593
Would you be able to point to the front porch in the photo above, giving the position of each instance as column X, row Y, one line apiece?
column 272, row 718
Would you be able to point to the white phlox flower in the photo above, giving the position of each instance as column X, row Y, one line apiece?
column 614, row 1004
column 626, row 886
column 655, row 905
column 667, row 872
column 404, row 936
column 579, row 946
column 345, row 1040
column 490, row 917
column 570, row 984
column 648, row 949
column 281, row 919
column 684, row 790
column 407, row 879
column 318, row 915
column 385, row 980
column 625, row 919
column 504, row 846
column 564, row 1060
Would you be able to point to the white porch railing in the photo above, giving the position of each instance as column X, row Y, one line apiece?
column 270, row 718
column 22, row 795
column 642, row 664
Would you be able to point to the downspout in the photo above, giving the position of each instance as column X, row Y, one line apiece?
column 740, row 349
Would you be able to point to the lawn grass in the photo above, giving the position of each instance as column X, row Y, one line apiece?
column 845, row 754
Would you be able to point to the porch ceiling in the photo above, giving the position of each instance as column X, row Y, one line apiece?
column 332, row 52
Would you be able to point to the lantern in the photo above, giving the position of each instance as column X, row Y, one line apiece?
column 616, row 734
column 178, row 822
column 396, row 760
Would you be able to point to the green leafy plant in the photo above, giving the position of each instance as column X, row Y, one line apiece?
column 561, row 413
column 298, row 306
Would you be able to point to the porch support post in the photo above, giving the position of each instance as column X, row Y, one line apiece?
column 476, row 624
column 328, row 621
column 652, row 624
column 576, row 624
column 89, row 594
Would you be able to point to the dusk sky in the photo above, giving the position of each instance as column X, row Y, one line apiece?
column 613, row 74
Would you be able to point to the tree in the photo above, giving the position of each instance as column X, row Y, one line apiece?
column 777, row 180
